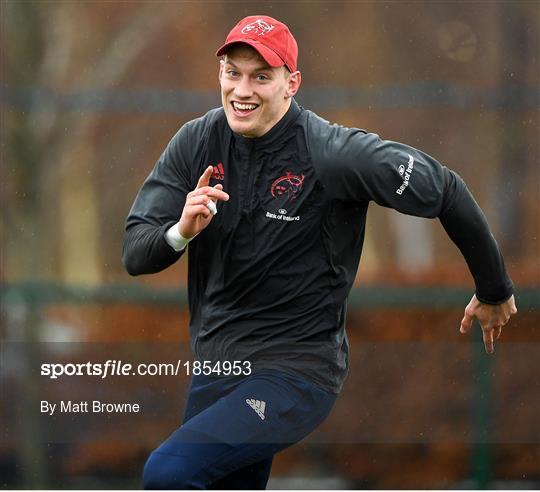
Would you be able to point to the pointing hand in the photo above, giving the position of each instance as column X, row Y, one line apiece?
column 197, row 212
column 491, row 318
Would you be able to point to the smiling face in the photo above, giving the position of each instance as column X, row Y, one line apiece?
column 254, row 95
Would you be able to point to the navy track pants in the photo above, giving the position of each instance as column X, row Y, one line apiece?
column 232, row 428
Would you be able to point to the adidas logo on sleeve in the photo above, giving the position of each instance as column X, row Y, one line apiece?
column 258, row 406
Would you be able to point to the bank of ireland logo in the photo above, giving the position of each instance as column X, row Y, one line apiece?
column 258, row 27
column 406, row 173
column 288, row 185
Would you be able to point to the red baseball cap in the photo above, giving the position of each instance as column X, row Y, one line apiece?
column 271, row 38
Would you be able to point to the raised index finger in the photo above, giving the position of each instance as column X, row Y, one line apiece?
column 204, row 180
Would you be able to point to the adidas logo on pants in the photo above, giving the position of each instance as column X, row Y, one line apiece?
column 257, row 405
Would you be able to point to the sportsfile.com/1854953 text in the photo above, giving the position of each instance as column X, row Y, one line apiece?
column 119, row 368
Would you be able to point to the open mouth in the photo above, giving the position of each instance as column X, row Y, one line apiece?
column 243, row 109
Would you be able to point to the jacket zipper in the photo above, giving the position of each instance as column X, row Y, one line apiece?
column 249, row 197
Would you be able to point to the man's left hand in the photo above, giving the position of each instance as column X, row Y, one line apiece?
column 491, row 317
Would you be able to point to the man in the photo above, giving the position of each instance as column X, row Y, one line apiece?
column 272, row 201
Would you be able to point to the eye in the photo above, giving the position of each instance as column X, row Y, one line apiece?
column 261, row 77
column 232, row 73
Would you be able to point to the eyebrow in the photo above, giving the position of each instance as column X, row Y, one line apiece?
column 256, row 69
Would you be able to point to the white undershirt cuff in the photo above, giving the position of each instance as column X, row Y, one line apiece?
column 175, row 240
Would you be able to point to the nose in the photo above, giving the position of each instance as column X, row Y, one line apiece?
column 243, row 88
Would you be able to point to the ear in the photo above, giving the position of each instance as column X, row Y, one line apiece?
column 221, row 68
column 293, row 84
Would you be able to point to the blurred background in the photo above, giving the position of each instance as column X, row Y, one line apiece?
column 91, row 93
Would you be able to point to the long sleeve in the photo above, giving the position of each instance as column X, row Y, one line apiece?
column 157, row 207
column 358, row 166
column 466, row 225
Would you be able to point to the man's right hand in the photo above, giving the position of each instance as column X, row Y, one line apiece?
column 196, row 215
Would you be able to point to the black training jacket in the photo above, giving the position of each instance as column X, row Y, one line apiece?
column 269, row 277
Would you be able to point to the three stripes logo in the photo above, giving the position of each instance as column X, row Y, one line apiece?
column 218, row 172
column 258, row 406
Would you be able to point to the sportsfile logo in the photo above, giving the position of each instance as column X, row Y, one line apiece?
column 406, row 173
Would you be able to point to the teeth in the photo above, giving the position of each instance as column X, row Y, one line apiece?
column 241, row 106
